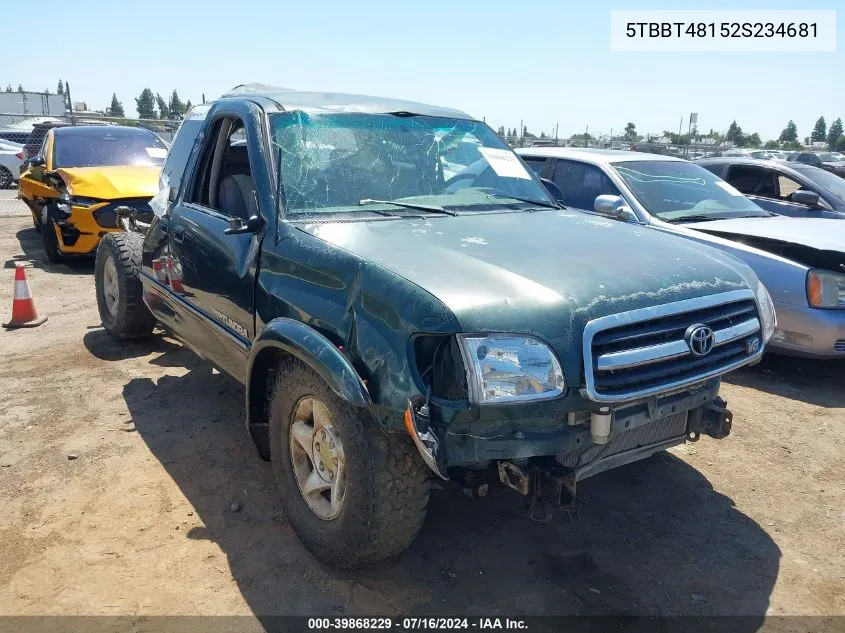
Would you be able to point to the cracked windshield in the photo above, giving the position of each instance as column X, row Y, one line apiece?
column 390, row 165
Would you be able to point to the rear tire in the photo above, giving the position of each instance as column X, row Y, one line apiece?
column 385, row 494
column 119, row 293
column 51, row 242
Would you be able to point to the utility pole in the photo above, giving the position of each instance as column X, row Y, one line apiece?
column 556, row 128
column 69, row 103
column 521, row 138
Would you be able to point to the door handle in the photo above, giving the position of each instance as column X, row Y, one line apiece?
column 178, row 233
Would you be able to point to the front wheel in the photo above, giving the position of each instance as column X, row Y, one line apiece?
column 119, row 293
column 354, row 493
column 51, row 242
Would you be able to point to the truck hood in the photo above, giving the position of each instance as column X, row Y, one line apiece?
column 111, row 183
column 819, row 233
column 546, row 273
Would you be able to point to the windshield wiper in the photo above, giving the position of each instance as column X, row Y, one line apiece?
column 408, row 205
column 539, row 203
column 694, row 218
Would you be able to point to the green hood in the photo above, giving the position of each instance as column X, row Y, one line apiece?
column 545, row 273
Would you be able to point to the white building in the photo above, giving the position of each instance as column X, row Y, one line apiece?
column 34, row 103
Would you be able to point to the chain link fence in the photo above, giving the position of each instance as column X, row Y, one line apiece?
column 22, row 136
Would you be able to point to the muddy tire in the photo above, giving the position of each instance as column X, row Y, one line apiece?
column 375, row 505
column 116, row 273
column 51, row 242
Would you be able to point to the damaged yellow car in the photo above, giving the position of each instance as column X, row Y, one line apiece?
column 84, row 178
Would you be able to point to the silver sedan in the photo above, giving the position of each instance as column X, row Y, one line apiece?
column 800, row 261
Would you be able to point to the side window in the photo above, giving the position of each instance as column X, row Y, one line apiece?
column 581, row 184
column 753, row 181
column 536, row 164
column 787, row 186
column 223, row 180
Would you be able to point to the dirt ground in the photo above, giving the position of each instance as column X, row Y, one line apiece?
column 119, row 463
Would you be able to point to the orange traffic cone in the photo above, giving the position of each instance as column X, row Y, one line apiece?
column 24, row 313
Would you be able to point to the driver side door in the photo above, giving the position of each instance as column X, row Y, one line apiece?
column 213, row 269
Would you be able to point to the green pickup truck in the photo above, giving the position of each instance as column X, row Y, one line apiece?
column 398, row 327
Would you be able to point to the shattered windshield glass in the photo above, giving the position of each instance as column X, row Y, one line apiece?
column 386, row 163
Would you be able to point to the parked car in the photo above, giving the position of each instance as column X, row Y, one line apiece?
column 82, row 177
column 390, row 325
column 824, row 160
column 15, row 136
column 801, row 262
column 9, row 164
column 794, row 189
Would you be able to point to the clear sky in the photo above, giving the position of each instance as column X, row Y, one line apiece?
column 540, row 61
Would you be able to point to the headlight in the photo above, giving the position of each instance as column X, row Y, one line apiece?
column 510, row 368
column 826, row 289
column 768, row 319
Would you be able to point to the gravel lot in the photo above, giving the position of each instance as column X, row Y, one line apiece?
column 119, row 463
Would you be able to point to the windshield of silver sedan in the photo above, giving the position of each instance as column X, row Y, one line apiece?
column 335, row 164
column 678, row 191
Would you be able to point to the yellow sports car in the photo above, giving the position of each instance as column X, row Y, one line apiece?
column 81, row 176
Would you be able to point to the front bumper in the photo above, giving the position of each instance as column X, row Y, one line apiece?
column 810, row 332
column 657, row 421
column 79, row 233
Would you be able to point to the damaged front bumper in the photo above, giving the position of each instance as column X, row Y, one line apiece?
column 580, row 445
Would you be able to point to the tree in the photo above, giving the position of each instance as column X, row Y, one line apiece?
column 60, row 90
column 806, row 140
column 819, row 132
column 501, row 130
column 115, row 108
column 834, row 133
column 163, row 110
column 145, row 104
column 735, row 135
column 20, row 88
column 790, row 133
column 9, row 88
column 524, row 131
column 188, row 106
column 176, row 107
column 840, row 144
column 754, row 140
column 630, row 132
column 771, row 145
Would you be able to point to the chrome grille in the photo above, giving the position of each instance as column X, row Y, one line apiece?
column 653, row 433
column 644, row 352
column 839, row 346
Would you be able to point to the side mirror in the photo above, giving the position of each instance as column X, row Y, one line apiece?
column 807, row 198
column 37, row 161
column 614, row 207
column 553, row 189
column 238, row 226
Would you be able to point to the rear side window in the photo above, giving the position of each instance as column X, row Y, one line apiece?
column 180, row 151
column 536, row 164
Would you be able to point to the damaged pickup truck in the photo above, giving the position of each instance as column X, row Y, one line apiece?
column 394, row 328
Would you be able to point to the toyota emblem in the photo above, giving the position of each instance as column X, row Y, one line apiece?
column 700, row 339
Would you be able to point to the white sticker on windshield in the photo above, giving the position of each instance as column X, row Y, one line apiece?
column 156, row 152
column 729, row 188
column 504, row 163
